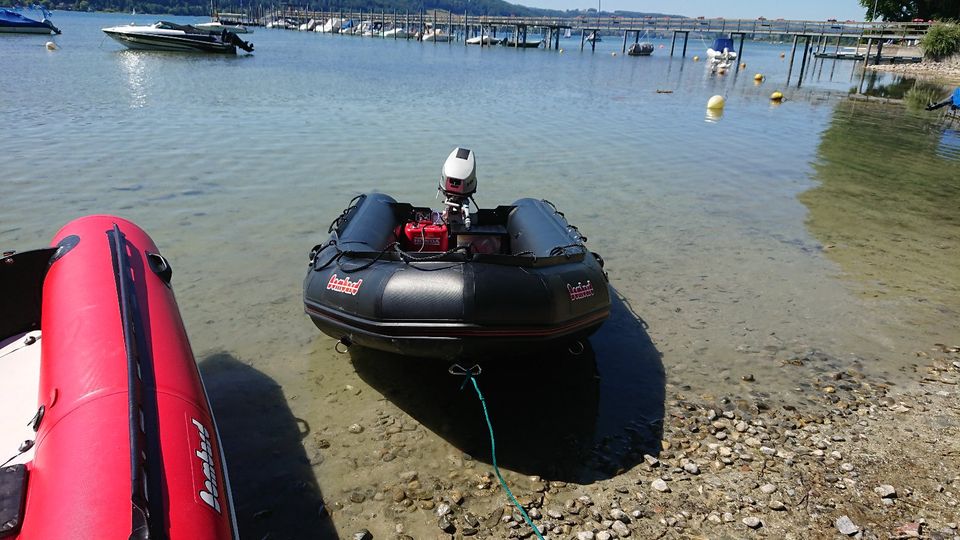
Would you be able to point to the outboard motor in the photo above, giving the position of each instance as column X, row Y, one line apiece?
column 458, row 182
column 233, row 39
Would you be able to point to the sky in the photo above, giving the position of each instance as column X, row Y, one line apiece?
column 818, row 10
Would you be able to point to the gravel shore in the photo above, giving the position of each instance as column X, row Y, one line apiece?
column 945, row 71
column 860, row 459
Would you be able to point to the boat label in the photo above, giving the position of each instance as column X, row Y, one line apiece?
column 208, row 492
column 580, row 290
column 344, row 285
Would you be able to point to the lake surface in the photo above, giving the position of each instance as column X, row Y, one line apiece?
column 821, row 231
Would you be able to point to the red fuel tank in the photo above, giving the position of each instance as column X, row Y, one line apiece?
column 425, row 235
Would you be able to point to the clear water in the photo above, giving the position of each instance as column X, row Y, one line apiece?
column 740, row 240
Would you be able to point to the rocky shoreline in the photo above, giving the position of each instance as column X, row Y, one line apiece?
column 864, row 461
column 948, row 70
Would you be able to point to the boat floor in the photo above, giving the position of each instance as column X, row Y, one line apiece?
column 19, row 384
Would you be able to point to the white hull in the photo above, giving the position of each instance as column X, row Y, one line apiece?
column 483, row 40
column 436, row 37
column 396, row 33
column 19, row 386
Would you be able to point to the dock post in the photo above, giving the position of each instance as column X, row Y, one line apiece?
column 583, row 37
column 465, row 28
column 686, row 36
column 593, row 43
column 673, row 42
column 793, row 53
column 879, row 46
column 624, row 42
column 866, row 57
column 434, row 26
column 836, row 52
column 740, row 50
column 803, row 63
column 556, row 40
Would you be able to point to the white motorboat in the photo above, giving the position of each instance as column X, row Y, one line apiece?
column 721, row 54
column 217, row 26
column 436, row 36
column 396, row 33
column 308, row 26
column 483, row 40
column 168, row 36
column 331, row 26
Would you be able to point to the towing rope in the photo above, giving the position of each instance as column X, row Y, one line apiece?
column 470, row 375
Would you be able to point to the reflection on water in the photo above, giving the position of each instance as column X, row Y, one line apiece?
column 949, row 147
column 886, row 209
column 134, row 66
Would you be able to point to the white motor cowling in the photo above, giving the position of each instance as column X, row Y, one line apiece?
column 459, row 174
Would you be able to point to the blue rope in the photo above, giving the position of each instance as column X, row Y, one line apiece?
column 493, row 444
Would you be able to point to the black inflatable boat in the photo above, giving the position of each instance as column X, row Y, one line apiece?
column 402, row 279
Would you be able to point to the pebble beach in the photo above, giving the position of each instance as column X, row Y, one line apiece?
column 861, row 458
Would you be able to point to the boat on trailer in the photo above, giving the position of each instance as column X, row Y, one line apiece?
column 406, row 279
column 105, row 426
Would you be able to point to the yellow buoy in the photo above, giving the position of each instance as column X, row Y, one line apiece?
column 758, row 77
column 51, row 46
column 721, row 71
column 776, row 96
column 716, row 102
column 783, row 55
column 743, row 65
column 696, row 58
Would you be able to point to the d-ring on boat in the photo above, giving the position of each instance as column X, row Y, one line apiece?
column 105, row 428
column 456, row 283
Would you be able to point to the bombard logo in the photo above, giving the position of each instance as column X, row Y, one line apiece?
column 209, row 492
column 344, row 285
column 580, row 290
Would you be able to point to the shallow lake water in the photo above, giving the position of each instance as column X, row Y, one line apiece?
column 771, row 241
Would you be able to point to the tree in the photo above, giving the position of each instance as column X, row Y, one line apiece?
column 906, row 10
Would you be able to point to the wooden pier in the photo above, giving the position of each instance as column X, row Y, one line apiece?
column 817, row 37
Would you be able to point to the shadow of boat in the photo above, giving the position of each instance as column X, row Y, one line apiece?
column 274, row 490
column 576, row 418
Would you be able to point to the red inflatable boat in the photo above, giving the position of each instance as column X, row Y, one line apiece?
column 103, row 414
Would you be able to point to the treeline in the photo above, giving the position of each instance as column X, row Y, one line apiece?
column 201, row 7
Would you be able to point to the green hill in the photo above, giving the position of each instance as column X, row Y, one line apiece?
column 203, row 7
